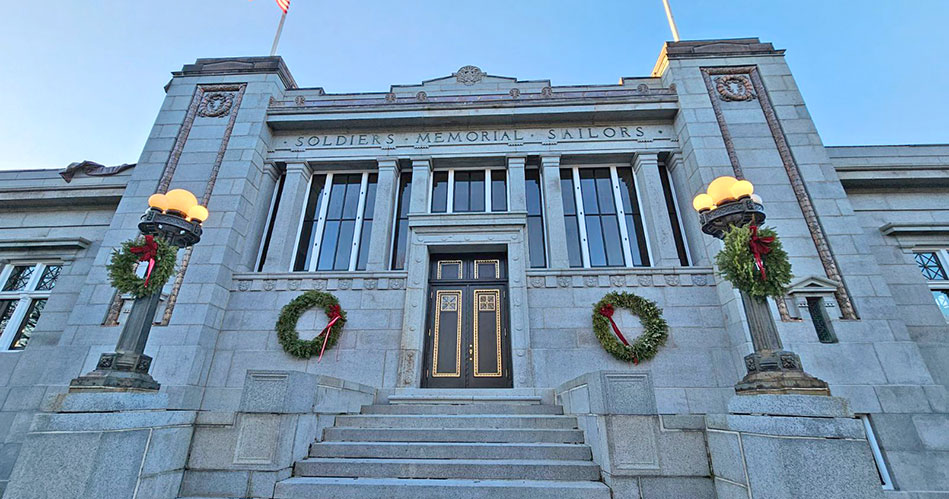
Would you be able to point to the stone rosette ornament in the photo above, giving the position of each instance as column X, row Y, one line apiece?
column 158, row 254
column 754, row 261
column 286, row 326
column 643, row 347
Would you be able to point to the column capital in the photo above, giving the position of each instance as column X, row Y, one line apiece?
column 272, row 170
column 299, row 167
column 674, row 160
column 387, row 163
column 517, row 160
column 421, row 162
column 550, row 160
column 645, row 159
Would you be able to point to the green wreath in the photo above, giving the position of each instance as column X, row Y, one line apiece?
column 287, row 324
column 736, row 263
column 645, row 346
column 124, row 262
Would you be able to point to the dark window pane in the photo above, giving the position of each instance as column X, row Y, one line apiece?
column 535, row 219
column 498, row 190
column 439, row 192
column 634, row 222
column 595, row 240
column 367, row 216
column 476, row 191
column 370, row 196
column 364, row 245
column 588, row 192
column 673, row 215
column 815, row 306
column 6, row 311
column 337, row 198
column 353, row 183
column 573, row 241
column 328, row 246
column 604, row 193
column 270, row 227
column 48, row 279
column 19, row 277
column 344, row 246
column 308, row 230
column 566, row 188
column 930, row 266
column 625, row 176
column 532, row 191
column 402, row 223
column 611, row 236
column 29, row 323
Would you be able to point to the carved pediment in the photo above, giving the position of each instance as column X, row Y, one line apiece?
column 813, row 284
column 468, row 79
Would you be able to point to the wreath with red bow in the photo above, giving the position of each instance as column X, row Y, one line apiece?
column 754, row 261
column 159, row 257
column 644, row 346
column 289, row 315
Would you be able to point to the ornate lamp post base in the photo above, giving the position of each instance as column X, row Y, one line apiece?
column 778, row 371
column 119, row 371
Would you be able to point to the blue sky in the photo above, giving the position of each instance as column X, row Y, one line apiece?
column 83, row 79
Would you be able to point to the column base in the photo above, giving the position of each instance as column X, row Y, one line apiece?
column 778, row 372
column 118, row 371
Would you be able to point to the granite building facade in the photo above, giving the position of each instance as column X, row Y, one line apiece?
column 467, row 225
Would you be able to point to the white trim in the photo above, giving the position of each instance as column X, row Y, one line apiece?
column 488, row 208
column 877, row 454
column 450, row 199
column 642, row 215
column 675, row 202
column 621, row 218
column 357, row 229
column 320, row 222
column 430, row 193
column 581, row 217
column 269, row 221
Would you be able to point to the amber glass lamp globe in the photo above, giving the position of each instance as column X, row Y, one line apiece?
column 158, row 201
column 180, row 201
column 720, row 189
column 703, row 202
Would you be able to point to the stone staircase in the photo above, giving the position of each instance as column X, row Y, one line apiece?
column 436, row 447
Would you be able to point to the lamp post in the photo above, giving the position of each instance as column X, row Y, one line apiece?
column 176, row 218
column 771, row 369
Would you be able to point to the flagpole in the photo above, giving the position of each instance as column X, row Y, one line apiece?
column 276, row 39
column 672, row 21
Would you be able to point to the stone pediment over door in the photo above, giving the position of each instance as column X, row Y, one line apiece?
column 470, row 80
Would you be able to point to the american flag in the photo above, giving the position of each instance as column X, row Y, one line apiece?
column 284, row 5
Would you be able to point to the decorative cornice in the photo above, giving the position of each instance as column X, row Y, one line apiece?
column 220, row 66
column 897, row 229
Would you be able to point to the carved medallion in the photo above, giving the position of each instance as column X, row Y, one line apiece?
column 590, row 281
column 299, row 100
column 547, row 92
column 421, row 96
column 563, row 281
column 319, row 283
column 700, row 279
column 396, row 283
column 469, row 75
column 345, row 283
column 537, row 282
column 293, row 284
column 672, row 279
column 390, row 97
column 617, row 281
column 370, row 283
column 645, row 280
column 515, row 93
column 243, row 285
column 734, row 88
column 215, row 104
column 269, row 284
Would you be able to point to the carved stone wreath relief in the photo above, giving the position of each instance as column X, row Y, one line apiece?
column 469, row 75
column 735, row 88
column 216, row 104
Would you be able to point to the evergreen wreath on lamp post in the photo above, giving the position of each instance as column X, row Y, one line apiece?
column 754, row 261
column 289, row 315
column 645, row 346
column 161, row 260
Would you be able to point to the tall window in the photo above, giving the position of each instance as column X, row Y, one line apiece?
column 467, row 191
column 22, row 298
column 933, row 265
column 602, row 217
column 669, row 193
column 337, row 222
column 401, row 232
column 535, row 219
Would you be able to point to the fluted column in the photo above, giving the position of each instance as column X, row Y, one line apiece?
column 283, row 240
column 553, row 212
column 655, row 214
column 380, row 240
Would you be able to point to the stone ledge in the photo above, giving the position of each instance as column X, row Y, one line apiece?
column 110, row 421
column 219, row 66
column 787, row 426
column 622, row 277
column 320, row 281
column 790, row 405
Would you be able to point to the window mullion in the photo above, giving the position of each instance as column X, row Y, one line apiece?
column 488, row 208
column 360, row 212
column 321, row 221
column 34, row 280
column 450, row 202
column 621, row 218
column 16, row 320
column 5, row 274
column 581, row 217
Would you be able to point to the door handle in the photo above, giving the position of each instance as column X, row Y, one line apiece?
column 470, row 352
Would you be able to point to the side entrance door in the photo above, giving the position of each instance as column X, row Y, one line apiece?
column 467, row 342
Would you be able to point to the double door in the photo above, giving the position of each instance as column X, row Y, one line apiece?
column 467, row 342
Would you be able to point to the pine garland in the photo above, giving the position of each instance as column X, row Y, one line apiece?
column 287, row 324
column 646, row 345
column 736, row 264
column 122, row 265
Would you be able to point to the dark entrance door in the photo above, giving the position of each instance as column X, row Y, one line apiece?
column 467, row 342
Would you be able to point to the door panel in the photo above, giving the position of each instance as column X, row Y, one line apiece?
column 467, row 341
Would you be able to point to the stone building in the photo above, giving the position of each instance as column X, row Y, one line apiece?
column 527, row 200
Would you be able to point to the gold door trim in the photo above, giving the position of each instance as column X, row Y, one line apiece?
column 438, row 273
column 490, row 303
column 497, row 267
column 451, row 307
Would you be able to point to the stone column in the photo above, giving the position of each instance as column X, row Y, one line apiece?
column 515, row 178
column 553, row 212
column 655, row 214
column 283, row 241
column 269, row 178
column 381, row 238
column 421, row 171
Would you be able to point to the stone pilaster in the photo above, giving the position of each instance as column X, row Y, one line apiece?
column 280, row 256
column 421, row 171
column 381, row 238
column 515, row 178
column 655, row 214
column 553, row 211
column 265, row 191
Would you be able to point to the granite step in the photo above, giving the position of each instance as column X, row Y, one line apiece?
column 451, row 450
column 479, row 408
column 564, row 436
column 394, row 488
column 488, row 469
column 483, row 421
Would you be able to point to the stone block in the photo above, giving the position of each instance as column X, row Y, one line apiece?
column 902, row 399
column 790, row 405
column 729, row 490
column 724, row 448
column 215, row 483
column 105, row 401
column 683, row 453
column 167, row 450
column 667, row 487
column 278, row 392
column 933, row 430
column 160, row 486
column 633, row 446
column 612, row 392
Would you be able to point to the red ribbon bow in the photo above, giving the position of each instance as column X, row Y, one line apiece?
column 607, row 311
column 334, row 313
column 147, row 252
column 759, row 247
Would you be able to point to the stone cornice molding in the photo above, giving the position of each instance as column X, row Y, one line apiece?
column 221, row 66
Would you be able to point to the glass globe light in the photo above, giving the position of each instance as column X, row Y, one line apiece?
column 180, row 200
column 198, row 212
column 742, row 189
column 703, row 202
column 158, row 201
column 720, row 189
